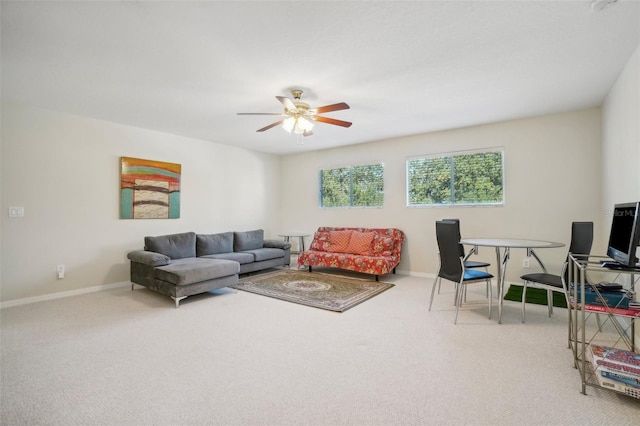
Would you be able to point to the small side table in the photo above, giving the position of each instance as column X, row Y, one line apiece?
column 300, row 238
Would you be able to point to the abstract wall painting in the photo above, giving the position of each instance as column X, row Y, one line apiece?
column 149, row 189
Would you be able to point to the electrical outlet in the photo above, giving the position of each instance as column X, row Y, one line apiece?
column 526, row 262
column 60, row 271
column 16, row 211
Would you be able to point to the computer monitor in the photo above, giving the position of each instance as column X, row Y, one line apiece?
column 625, row 233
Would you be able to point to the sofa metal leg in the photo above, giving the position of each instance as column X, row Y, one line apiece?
column 178, row 299
column 309, row 268
column 377, row 278
column 131, row 286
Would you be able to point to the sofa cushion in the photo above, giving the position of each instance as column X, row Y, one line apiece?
column 383, row 245
column 360, row 243
column 176, row 246
column 214, row 243
column 148, row 258
column 195, row 270
column 339, row 241
column 240, row 257
column 266, row 253
column 320, row 241
column 248, row 240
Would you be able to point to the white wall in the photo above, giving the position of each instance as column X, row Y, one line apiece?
column 64, row 170
column 621, row 142
column 552, row 177
column 621, row 138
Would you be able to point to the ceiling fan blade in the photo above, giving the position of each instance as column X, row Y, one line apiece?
column 332, row 121
column 329, row 108
column 287, row 103
column 270, row 126
column 259, row 113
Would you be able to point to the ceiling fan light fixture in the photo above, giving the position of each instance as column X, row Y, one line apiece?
column 302, row 126
column 288, row 124
column 297, row 125
column 298, row 118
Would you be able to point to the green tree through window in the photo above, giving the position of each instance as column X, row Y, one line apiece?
column 456, row 179
column 358, row 186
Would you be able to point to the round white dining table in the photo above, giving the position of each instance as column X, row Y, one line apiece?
column 503, row 248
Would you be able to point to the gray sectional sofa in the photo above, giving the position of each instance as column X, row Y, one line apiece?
column 181, row 265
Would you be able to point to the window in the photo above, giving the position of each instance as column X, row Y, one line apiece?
column 466, row 178
column 358, row 186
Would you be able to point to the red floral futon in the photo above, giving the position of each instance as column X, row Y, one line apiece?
column 373, row 251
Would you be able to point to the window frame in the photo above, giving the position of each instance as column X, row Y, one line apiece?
column 451, row 155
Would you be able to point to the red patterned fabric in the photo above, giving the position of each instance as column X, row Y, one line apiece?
column 381, row 258
column 339, row 241
column 360, row 243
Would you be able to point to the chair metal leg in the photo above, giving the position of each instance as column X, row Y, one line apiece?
column 433, row 290
column 490, row 297
column 458, row 302
column 550, row 302
column 524, row 296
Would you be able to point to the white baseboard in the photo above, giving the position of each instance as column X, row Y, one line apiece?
column 60, row 295
column 415, row 274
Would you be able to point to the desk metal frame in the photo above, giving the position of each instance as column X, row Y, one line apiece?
column 503, row 248
column 579, row 265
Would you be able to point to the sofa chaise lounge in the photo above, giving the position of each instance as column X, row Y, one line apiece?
column 181, row 265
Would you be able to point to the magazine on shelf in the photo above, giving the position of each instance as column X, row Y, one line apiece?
column 614, row 360
column 618, row 311
column 634, row 313
column 618, row 386
column 616, row 369
column 621, row 378
column 617, row 298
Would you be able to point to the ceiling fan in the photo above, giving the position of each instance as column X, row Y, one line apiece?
column 298, row 117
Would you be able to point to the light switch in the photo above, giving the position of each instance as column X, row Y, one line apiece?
column 17, row 211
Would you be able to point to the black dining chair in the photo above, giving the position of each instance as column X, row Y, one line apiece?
column 452, row 265
column 581, row 241
column 468, row 264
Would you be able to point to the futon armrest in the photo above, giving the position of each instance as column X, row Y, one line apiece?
column 276, row 244
column 148, row 258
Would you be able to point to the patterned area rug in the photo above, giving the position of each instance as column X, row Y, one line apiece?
column 324, row 291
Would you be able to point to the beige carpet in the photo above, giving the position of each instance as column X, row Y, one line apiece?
column 122, row 357
column 333, row 292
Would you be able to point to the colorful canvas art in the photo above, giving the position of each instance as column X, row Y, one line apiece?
column 149, row 189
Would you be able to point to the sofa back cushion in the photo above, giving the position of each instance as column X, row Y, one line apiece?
column 339, row 241
column 360, row 243
column 207, row 244
column 320, row 241
column 383, row 245
column 176, row 246
column 248, row 240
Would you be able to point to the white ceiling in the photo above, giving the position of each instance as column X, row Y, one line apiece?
column 405, row 68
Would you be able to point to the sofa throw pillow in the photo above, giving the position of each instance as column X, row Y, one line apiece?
column 214, row 243
column 360, row 243
column 320, row 241
column 383, row 245
column 248, row 240
column 176, row 246
column 339, row 241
